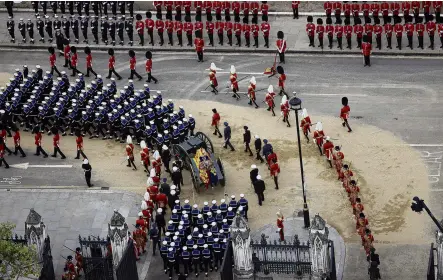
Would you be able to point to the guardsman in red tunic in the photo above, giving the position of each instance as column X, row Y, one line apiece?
column 228, row 27
column 285, row 113
column 272, row 156
column 375, row 8
column 420, row 29
column 353, row 192
column 168, row 8
column 255, row 28
column 111, row 65
column 358, row 207
column 210, row 30
column 2, row 153
column 427, row 9
column 344, row 113
column 237, row 31
column 38, row 142
column 337, row 11
column 132, row 64
column 385, row 12
column 366, row 50
column 140, row 27
column 348, row 33
column 236, row 9
column 160, row 26
column 305, row 123
column 281, row 46
column 355, row 10
column 280, row 226
column 150, row 24
column 251, row 92
column 281, row 80
column 320, row 32
column 89, row 62
column 71, row 267
column 254, row 8
column 368, row 29
column 178, row 10
column 310, row 30
column 234, row 83
column 178, row 27
column 207, row 5
column 189, row 27
column 56, row 142
column 246, row 28
column 398, row 29
column 217, row 5
column 409, row 28
column 264, row 11
column 215, row 122
column 79, row 142
column 275, row 170
column 74, row 61
column 212, row 78
column 198, row 26
column 226, row 6
column 440, row 33
column 327, row 149
column 138, row 240
column 144, row 155
column 406, row 7
column 269, row 99
column 78, row 260
column 169, row 25
column 437, row 9
column 347, row 8
column 130, row 153
column 430, row 28
column 416, row 9
column 365, row 7
column 339, row 33
column 142, row 231
column 220, row 26
column 199, row 45
column 327, row 6
column 318, row 136
column 198, row 5
column 295, row 8
column 338, row 157
column 367, row 241
column 388, row 30
column 329, row 31
column 67, row 53
column 378, row 30
column 158, row 8
column 395, row 8
column 245, row 9
column 17, row 146
column 265, row 28
column 361, row 224
column 187, row 5
column 358, row 30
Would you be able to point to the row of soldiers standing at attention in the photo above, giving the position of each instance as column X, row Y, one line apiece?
column 374, row 30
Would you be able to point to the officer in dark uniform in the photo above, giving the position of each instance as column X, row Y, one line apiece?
column 66, row 26
column 105, row 7
column 53, row 6
column 11, row 29
column 61, row 5
column 196, row 259
column 48, row 28
column 114, row 8
column 44, row 7
column 35, row 7
column 41, row 27
column 130, row 31
column 94, row 5
column 86, row 7
column 78, row 6
column 22, row 29
column 155, row 238
column 112, row 27
column 70, row 7
column 104, row 30
column 244, row 203
column 130, row 5
column 74, row 26
column 94, row 28
column 164, row 255
column 84, row 27
column 121, row 29
column 57, row 23
column 122, row 7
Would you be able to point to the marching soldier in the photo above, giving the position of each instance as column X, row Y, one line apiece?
column 84, row 27
column 344, row 113
column 150, row 24
column 74, row 27
column 104, row 30
column 94, row 28
column 56, row 142
column 74, row 61
column 121, row 29
column 112, row 28
column 130, row 152
column 320, row 32
column 130, row 31
column 140, row 27
column 66, row 26
column 212, row 78
column 269, row 99
column 111, row 65
column 22, row 29
column 78, row 256
column 11, row 29
column 52, row 59
column 196, row 259
column 215, row 122
column 2, row 153
column 89, row 62
column 251, row 92
column 16, row 138
column 79, row 142
column 148, row 67
column 67, row 53
column 275, row 170
column 132, row 63
column 388, row 30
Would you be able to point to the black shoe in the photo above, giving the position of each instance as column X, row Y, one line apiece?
column 63, row 157
column 53, row 156
column 76, row 158
column 45, row 156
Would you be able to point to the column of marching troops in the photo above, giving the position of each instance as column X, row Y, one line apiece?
column 111, row 25
column 412, row 23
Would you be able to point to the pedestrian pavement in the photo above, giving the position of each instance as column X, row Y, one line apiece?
column 294, row 30
column 70, row 213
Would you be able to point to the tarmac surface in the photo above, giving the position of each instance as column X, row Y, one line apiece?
column 398, row 94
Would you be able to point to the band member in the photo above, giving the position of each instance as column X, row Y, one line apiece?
column 220, row 26
column 150, row 24
column 305, row 123
column 344, row 113
column 246, row 28
column 111, row 65
column 132, row 63
column 169, row 25
column 409, row 28
column 251, row 92
column 234, row 82
column 74, row 61
column 280, row 226
column 189, row 27
column 56, row 142
column 144, row 155
column 89, row 62
column 269, row 99
column 178, row 27
column 281, row 46
column 130, row 153
column 199, row 45
column 237, row 30
column 319, row 135
column 16, row 138
column 79, row 142
column 295, row 9
column 358, row 30
column 148, row 67
column 210, row 29
column 215, row 122
column 140, row 27
column 320, row 32
column 212, row 78
column 327, row 149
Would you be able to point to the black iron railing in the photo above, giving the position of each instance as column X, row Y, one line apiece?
column 127, row 267
column 431, row 264
column 226, row 272
column 97, row 261
column 333, row 274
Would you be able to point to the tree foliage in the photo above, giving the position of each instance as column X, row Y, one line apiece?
column 15, row 259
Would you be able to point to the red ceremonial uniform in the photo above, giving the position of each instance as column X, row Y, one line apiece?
column 111, row 62
column 162, row 200
column 245, row 8
column 56, row 140
column 398, row 29
column 228, row 27
column 198, row 5
column 178, row 26
column 327, row 149
column 269, row 99
column 226, row 6
column 2, row 150
column 378, row 30
column 348, row 31
column 328, row 8
column 210, row 27
column 365, row 8
column 281, row 80
column 389, row 29
column 415, row 6
column 251, row 92
column 384, row 8
column 409, row 28
column 285, row 110
column 347, row 7
column 169, row 26
column 395, row 8
column 271, row 157
column 66, row 51
column 281, row 227
column 430, row 27
column 189, row 27
column 437, row 5
column 208, row 6
column 213, row 79
column 132, row 63
column 329, row 30
column 440, row 29
column 158, row 5
column 52, row 59
column 78, row 261
column 320, row 31
column 234, row 83
column 215, row 119
column 144, row 156
column 264, row 8
column 187, row 5
column 427, row 6
column 358, row 29
column 130, row 151
column 368, row 30
column 79, row 142
column 355, row 9
column 265, row 27
column 254, row 7
column 16, row 138
column 74, row 60
column 168, row 5
column 150, row 24
column 199, row 44
column 406, row 6
column 153, row 192
column 339, row 31
column 337, row 6
column 140, row 27
column 160, row 25
column 246, row 28
column 89, row 61
column 295, row 4
column 275, row 169
column 366, row 50
column 237, row 28
column 310, row 29
column 148, row 65
column 220, row 26
column 305, row 124
column 198, row 26
column 344, row 112
column 420, row 29
column 375, row 8
column 217, row 5
column 236, row 7
column 38, row 139
column 281, row 45
column 318, row 135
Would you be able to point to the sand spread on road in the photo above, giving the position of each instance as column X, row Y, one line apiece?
column 389, row 172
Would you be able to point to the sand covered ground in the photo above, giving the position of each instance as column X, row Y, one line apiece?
column 389, row 172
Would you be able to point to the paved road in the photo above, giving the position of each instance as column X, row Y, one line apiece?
column 397, row 94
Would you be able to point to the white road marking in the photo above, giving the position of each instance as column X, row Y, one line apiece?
column 331, row 94
column 344, row 85
column 426, row 145
column 27, row 165
column 242, row 73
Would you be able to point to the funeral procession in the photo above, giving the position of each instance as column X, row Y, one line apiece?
column 221, row 140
